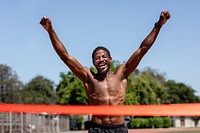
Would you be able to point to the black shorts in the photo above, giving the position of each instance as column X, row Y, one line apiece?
column 97, row 128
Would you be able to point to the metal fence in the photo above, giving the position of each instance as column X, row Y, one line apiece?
column 33, row 123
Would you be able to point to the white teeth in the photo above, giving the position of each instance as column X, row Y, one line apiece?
column 102, row 64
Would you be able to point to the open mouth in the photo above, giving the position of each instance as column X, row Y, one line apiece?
column 102, row 65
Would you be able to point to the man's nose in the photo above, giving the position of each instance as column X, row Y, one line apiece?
column 101, row 59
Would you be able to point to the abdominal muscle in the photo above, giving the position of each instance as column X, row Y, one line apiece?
column 107, row 99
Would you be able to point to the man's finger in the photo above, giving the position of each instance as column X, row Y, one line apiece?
column 43, row 21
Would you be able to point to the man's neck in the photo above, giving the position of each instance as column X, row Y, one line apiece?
column 103, row 75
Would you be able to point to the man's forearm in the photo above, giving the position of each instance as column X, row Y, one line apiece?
column 57, row 44
column 150, row 39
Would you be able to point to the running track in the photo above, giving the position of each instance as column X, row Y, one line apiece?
column 150, row 130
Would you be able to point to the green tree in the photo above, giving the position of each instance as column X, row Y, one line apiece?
column 180, row 93
column 10, row 85
column 145, row 88
column 39, row 90
column 157, row 83
column 131, row 93
column 70, row 90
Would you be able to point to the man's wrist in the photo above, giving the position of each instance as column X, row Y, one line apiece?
column 50, row 30
column 157, row 25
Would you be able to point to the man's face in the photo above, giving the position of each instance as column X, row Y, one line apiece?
column 102, row 61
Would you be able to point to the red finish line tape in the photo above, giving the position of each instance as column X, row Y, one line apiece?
column 192, row 109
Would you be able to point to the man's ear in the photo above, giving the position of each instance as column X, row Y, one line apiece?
column 110, row 59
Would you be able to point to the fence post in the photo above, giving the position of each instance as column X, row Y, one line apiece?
column 22, row 123
column 2, row 123
column 31, row 123
column 58, row 123
column 10, row 116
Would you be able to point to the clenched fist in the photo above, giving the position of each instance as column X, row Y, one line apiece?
column 164, row 16
column 46, row 23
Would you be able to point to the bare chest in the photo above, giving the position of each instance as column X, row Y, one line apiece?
column 108, row 91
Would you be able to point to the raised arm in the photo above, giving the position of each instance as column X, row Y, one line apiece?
column 70, row 61
column 135, row 58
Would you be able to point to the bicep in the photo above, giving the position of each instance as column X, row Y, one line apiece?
column 133, row 61
column 75, row 67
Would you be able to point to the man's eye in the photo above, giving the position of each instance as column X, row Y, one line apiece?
column 104, row 56
column 96, row 58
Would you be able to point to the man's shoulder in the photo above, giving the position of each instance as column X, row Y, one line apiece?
column 89, row 71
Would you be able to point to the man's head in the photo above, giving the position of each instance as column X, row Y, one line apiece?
column 101, row 59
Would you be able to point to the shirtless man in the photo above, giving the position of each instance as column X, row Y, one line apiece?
column 105, row 87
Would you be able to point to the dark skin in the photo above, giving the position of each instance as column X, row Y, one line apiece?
column 105, row 87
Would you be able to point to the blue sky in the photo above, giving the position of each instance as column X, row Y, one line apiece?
column 84, row 24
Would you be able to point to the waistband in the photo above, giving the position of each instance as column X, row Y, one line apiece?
column 107, row 125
